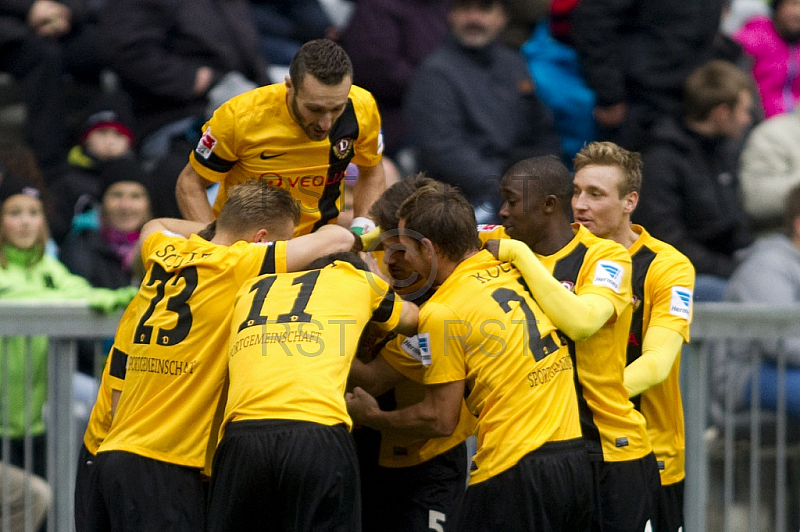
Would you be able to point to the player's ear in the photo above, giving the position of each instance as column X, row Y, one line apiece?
column 630, row 201
column 262, row 235
column 288, row 82
column 428, row 246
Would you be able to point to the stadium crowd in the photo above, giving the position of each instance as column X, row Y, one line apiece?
column 437, row 277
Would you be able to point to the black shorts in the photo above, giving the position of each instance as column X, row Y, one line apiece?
column 625, row 494
column 413, row 498
column 548, row 489
column 85, row 487
column 134, row 493
column 285, row 475
column 670, row 508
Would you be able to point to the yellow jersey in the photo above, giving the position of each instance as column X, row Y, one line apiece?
column 253, row 136
column 614, row 430
column 663, row 285
column 171, row 402
column 112, row 379
column 483, row 327
column 293, row 338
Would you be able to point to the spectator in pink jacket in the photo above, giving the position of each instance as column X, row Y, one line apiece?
column 773, row 43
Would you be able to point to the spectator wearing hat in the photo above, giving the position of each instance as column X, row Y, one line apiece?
column 27, row 272
column 773, row 44
column 106, row 138
column 104, row 254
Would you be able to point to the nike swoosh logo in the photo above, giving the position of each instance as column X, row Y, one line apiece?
column 265, row 157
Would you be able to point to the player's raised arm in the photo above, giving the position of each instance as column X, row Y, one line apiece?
column 578, row 316
column 190, row 192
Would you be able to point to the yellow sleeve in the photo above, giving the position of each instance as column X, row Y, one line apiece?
column 670, row 288
column 405, row 356
column 369, row 145
column 215, row 153
column 386, row 306
column 579, row 317
column 660, row 347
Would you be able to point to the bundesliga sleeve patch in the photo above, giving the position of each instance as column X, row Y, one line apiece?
column 206, row 144
column 608, row 274
column 419, row 348
column 681, row 303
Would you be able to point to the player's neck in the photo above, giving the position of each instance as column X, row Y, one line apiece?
column 557, row 237
column 446, row 266
column 624, row 235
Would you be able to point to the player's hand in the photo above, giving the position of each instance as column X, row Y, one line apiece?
column 49, row 18
column 493, row 247
column 360, row 405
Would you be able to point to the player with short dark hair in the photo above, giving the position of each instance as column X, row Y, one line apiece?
column 484, row 340
column 299, row 135
column 576, row 273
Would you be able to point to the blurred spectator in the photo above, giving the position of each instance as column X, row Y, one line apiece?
column 27, row 272
column 171, row 55
column 773, row 44
column 30, row 51
column 20, row 484
column 560, row 84
column 770, row 167
column 106, row 137
column 690, row 190
column 386, row 41
column 523, row 15
column 104, row 255
column 472, row 109
column 637, row 54
column 770, row 275
column 284, row 25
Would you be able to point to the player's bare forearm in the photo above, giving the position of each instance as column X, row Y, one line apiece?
column 369, row 186
column 376, row 378
column 190, row 193
column 434, row 417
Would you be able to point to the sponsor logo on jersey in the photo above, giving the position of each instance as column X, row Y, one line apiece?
column 342, row 147
column 206, row 144
column 681, row 302
column 608, row 274
column 419, row 348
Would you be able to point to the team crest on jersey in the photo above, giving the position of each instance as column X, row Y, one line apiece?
column 681, row 303
column 608, row 274
column 636, row 302
column 206, row 144
column 419, row 348
column 342, row 147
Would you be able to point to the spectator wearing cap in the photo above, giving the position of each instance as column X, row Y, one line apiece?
column 106, row 138
column 104, row 255
column 773, row 44
column 27, row 272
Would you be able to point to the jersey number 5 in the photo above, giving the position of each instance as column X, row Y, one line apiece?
column 176, row 303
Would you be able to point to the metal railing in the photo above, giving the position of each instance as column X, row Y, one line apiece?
column 714, row 323
column 63, row 322
column 66, row 322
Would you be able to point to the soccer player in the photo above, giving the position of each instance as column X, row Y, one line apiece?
column 418, row 481
column 577, row 273
column 164, row 428
column 299, row 135
column 286, row 460
column 482, row 337
column 606, row 190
